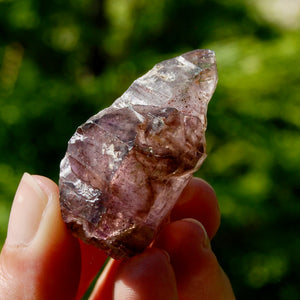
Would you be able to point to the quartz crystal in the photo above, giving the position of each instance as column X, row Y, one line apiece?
column 126, row 166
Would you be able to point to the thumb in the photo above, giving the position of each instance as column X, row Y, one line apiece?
column 40, row 259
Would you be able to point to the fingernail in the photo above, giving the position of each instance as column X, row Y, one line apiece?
column 166, row 254
column 206, row 241
column 26, row 212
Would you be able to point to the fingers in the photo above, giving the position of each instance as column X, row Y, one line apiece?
column 145, row 276
column 40, row 258
column 198, row 274
column 192, row 272
column 198, row 201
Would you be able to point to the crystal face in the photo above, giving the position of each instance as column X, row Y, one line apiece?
column 126, row 166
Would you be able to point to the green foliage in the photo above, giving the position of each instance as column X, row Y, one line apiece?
column 62, row 61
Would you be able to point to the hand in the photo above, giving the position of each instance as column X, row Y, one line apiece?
column 42, row 260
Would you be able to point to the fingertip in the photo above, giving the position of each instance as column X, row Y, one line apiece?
column 26, row 213
column 52, row 230
column 146, row 276
column 197, row 271
column 199, row 201
column 201, row 232
column 186, row 237
column 47, row 185
column 40, row 255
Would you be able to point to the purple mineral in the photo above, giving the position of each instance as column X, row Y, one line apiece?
column 126, row 166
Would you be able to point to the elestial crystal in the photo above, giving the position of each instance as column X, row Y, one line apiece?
column 126, row 166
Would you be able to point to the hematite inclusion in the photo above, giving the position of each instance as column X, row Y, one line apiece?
column 126, row 166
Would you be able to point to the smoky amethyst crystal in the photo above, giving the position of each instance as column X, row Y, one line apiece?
column 126, row 166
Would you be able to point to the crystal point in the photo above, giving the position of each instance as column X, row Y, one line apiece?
column 126, row 166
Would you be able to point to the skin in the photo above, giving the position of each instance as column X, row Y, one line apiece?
column 42, row 260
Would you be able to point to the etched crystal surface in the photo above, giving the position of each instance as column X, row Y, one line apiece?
column 126, row 166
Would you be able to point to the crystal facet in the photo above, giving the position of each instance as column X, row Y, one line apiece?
column 126, row 166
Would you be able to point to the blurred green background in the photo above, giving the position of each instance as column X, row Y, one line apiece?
column 63, row 61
